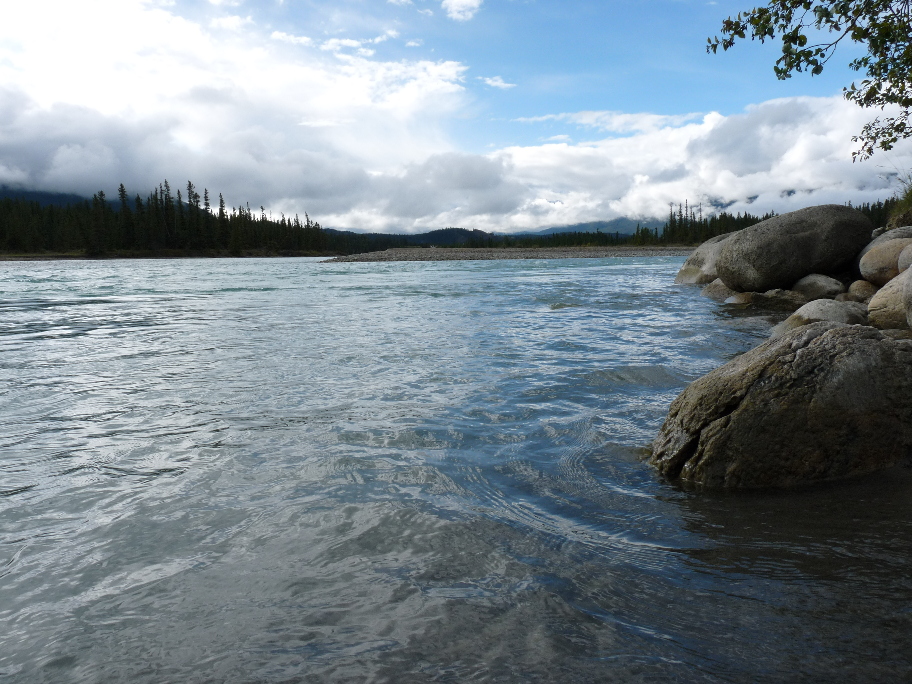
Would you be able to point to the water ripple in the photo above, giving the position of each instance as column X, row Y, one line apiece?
column 281, row 470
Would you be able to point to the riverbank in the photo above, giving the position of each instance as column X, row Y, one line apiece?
column 484, row 254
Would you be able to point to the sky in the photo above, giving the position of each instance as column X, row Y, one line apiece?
column 409, row 115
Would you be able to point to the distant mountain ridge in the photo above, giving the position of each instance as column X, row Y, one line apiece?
column 622, row 225
column 442, row 237
column 57, row 199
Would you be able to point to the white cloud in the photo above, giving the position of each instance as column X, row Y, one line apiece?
column 361, row 142
column 426, row 12
column 231, row 23
column 289, row 38
column 461, row 10
column 497, row 82
column 234, row 112
column 225, row 3
column 414, row 43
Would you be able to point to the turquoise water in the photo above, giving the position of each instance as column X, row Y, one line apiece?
column 285, row 470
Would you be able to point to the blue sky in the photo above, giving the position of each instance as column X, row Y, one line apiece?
column 407, row 115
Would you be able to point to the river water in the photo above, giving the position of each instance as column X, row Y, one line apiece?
column 281, row 470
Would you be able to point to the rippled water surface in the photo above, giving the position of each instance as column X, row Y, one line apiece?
column 284, row 470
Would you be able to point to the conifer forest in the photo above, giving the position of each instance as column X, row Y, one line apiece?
column 168, row 223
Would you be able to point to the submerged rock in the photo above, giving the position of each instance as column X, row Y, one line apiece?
column 779, row 251
column 781, row 300
column 718, row 291
column 700, row 267
column 822, row 402
column 887, row 308
column 851, row 313
column 818, row 286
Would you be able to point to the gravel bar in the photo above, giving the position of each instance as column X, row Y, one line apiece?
column 482, row 253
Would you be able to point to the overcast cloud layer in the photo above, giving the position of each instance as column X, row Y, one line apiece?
column 131, row 92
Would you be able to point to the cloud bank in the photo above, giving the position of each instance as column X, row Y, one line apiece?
column 298, row 123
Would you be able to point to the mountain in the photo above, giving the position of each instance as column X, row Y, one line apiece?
column 59, row 199
column 622, row 225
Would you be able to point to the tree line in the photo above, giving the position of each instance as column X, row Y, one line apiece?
column 171, row 224
column 163, row 223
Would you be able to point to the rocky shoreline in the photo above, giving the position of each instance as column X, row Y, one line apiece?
column 829, row 396
column 484, row 254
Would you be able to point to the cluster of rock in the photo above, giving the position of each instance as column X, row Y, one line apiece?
column 830, row 395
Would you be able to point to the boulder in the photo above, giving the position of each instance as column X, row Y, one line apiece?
column 818, row 286
column 905, row 259
column 700, row 267
column 779, row 251
column 880, row 264
column 885, row 236
column 741, row 298
column 782, row 300
column 823, row 402
column 718, row 291
column 863, row 289
column 851, row 313
column 887, row 308
column 849, row 297
column 907, row 297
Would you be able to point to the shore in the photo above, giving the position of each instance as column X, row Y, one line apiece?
column 484, row 253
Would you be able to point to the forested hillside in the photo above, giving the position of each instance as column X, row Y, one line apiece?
column 171, row 224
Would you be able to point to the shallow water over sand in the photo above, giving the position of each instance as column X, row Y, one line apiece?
column 281, row 470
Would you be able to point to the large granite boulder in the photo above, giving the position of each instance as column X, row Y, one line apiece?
column 779, row 251
column 700, row 267
column 882, row 236
column 851, row 313
column 881, row 263
column 818, row 286
column 823, row 402
column 887, row 308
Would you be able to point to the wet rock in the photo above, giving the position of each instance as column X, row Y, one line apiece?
column 783, row 300
column 850, row 313
column 778, row 300
column 822, row 402
column 880, row 264
column 863, row 289
column 700, row 267
column 779, row 251
column 718, row 291
column 818, row 286
column 741, row 298
column 887, row 308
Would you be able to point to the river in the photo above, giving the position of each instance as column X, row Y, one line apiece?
column 281, row 470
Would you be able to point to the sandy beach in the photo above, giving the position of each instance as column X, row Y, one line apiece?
column 481, row 253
